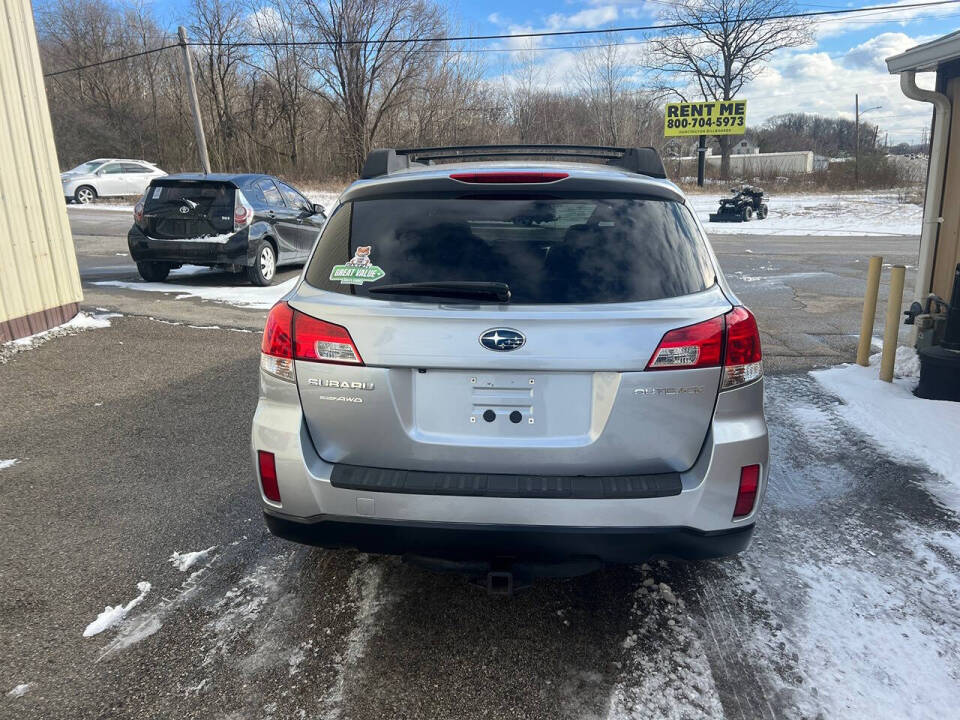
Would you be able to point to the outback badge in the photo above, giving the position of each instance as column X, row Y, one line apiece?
column 502, row 339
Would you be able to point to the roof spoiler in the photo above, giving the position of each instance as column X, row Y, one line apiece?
column 640, row 160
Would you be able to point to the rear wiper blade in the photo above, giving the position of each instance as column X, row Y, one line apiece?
column 454, row 289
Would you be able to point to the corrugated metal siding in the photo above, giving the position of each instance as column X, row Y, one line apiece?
column 38, row 263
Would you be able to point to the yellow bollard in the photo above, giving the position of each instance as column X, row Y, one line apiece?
column 869, row 311
column 892, row 328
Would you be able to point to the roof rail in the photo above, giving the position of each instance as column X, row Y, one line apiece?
column 640, row 160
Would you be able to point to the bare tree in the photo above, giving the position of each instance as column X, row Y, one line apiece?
column 720, row 45
column 373, row 58
column 601, row 76
column 217, row 25
column 282, row 63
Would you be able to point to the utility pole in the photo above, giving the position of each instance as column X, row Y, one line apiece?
column 701, row 159
column 856, row 162
column 194, row 101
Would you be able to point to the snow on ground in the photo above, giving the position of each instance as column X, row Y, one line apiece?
column 667, row 674
column 20, row 690
column 327, row 199
column 185, row 561
column 117, row 207
column 4, row 464
column 903, row 426
column 81, row 321
column 840, row 214
column 250, row 296
column 112, row 615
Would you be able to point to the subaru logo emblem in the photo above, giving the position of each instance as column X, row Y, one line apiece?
column 502, row 339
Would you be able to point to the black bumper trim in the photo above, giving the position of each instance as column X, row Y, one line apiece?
column 355, row 477
column 235, row 251
column 465, row 541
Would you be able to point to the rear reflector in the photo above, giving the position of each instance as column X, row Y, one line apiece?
column 694, row 346
column 747, row 494
column 268, row 475
column 509, row 177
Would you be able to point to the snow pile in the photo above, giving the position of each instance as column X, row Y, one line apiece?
column 80, row 322
column 903, row 426
column 4, row 464
column 112, row 615
column 840, row 214
column 185, row 561
column 667, row 673
column 248, row 296
column 20, row 690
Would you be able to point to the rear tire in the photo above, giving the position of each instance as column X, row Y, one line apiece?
column 153, row 271
column 747, row 214
column 84, row 194
column 264, row 267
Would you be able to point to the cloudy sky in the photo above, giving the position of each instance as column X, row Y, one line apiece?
column 847, row 56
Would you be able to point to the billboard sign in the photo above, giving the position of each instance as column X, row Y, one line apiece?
column 722, row 117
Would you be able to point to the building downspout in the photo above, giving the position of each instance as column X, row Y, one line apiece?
column 932, row 220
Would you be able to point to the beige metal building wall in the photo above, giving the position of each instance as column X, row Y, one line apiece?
column 39, row 281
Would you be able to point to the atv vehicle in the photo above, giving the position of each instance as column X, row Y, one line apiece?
column 746, row 202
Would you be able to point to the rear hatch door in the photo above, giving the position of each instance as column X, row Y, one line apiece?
column 572, row 397
column 188, row 209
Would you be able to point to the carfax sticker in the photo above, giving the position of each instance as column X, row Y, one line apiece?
column 358, row 270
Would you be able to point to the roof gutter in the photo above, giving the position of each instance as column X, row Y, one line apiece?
column 932, row 219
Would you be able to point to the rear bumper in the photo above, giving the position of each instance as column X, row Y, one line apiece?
column 235, row 251
column 464, row 541
column 695, row 522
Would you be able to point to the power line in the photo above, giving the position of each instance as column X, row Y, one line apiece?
column 111, row 60
column 551, row 33
column 565, row 33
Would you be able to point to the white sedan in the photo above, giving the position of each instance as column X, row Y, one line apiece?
column 108, row 177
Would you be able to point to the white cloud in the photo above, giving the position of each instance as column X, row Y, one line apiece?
column 873, row 53
column 815, row 82
column 583, row 20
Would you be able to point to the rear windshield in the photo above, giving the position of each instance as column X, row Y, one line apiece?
column 547, row 250
column 209, row 196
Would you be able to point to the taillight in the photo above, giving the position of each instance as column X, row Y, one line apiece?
column 267, row 464
column 730, row 340
column 509, row 177
column 694, row 346
column 320, row 341
column 242, row 211
column 277, row 346
column 747, row 493
column 743, row 360
column 290, row 335
column 138, row 212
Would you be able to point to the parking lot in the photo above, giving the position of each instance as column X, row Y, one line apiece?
column 131, row 448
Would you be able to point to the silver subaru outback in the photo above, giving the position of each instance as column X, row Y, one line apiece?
column 533, row 362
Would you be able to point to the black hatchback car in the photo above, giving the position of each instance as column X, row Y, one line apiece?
column 244, row 223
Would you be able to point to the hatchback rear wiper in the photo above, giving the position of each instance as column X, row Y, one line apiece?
column 453, row 289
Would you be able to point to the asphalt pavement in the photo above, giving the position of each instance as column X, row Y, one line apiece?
column 131, row 445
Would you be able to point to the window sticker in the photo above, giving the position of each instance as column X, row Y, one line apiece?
column 358, row 270
column 156, row 191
